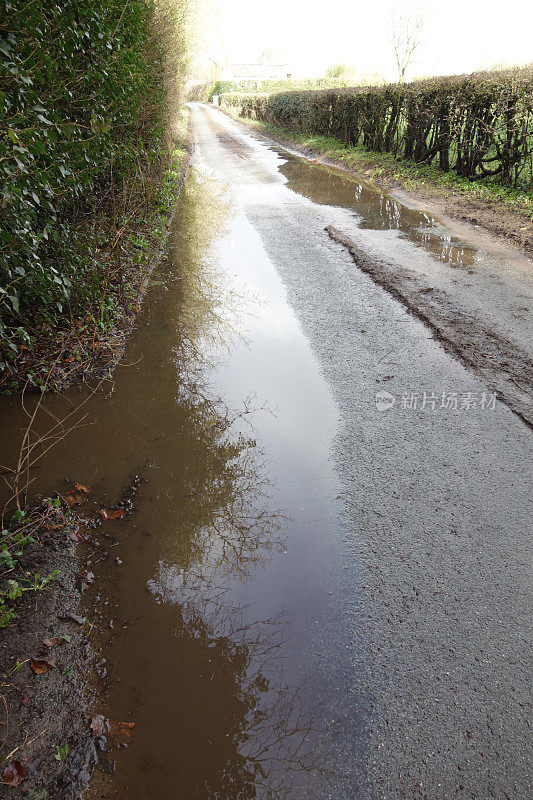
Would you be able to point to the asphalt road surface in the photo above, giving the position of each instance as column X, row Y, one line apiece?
column 433, row 469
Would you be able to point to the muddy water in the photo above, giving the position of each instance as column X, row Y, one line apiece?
column 378, row 211
column 215, row 607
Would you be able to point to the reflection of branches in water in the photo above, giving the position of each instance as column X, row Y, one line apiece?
column 260, row 728
column 228, row 526
column 267, row 725
column 224, row 520
column 261, row 724
column 208, row 306
column 242, row 531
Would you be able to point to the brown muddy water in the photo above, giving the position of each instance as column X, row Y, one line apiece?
column 378, row 211
column 214, row 609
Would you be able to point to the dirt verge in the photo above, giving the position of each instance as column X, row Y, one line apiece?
column 501, row 364
column 45, row 660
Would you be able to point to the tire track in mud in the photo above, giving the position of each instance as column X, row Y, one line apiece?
column 506, row 369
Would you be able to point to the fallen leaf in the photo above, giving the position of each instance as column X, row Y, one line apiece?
column 55, row 640
column 62, row 752
column 114, row 513
column 78, row 495
column 14, row 773
column 119, row 732
column 75, row 498
column 41, row 665
column 99, row 725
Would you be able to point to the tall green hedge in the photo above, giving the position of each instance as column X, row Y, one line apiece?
column 82, row 99
column 480, row 126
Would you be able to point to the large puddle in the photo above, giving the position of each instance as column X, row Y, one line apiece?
column 218, row 609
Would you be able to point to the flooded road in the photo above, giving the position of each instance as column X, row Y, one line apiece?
column 322, row 588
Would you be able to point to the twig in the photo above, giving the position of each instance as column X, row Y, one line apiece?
column 25, row 743
column 7, row 721
column 386, row 354
column 517, row 384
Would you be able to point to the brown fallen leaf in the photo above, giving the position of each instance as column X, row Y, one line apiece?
column 119, row 732
column 13, row 773
column 113, row 513
column 78, row 495
column 55, row 640
column 41, row 665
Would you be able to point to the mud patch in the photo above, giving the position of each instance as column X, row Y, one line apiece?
column 43, row 712
column 506, row 369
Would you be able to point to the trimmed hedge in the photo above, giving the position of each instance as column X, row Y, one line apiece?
column 479, row 126
column 276, row 85
column 204, row 92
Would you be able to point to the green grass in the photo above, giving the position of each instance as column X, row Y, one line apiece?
column 411, row 175
column 17, row 534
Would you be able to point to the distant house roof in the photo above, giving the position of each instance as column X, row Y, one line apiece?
column 258, row 71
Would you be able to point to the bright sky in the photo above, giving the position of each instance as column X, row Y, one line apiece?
column 311, row 35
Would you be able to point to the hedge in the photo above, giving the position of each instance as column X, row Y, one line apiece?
column 204, row 92
column 84, row 95
column 479, row 126
column 275, row 85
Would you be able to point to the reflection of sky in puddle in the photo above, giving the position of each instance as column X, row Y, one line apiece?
column 376, row 210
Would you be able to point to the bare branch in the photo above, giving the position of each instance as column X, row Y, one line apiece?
column 406, row 35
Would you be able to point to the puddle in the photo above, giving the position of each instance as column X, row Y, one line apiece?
column 216, row 606
column 376, row 210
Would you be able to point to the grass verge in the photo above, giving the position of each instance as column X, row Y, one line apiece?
column 503, row 211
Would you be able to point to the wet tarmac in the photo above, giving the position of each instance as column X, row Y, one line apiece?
column 321, row 586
